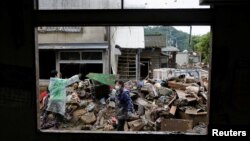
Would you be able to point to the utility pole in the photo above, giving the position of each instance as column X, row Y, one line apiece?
column 108, row 29
column 190, row 37
column 138, row 64
column 122, row 4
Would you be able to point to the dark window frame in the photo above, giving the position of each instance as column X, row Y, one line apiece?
column 121, row 17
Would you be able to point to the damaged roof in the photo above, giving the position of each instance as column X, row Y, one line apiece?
column 155, row 41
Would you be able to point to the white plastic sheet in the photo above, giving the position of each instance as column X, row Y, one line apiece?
column 57, row 88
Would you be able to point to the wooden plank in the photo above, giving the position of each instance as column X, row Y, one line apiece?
column 136, row 125
column 171, row 101
column 122, row 17
column 191, row 111
column 126, row 75
column 178, row 85
column 124, row 57
column 176, row 125
column 126, row 71
column 172, row 110
column 191, row 99
column 202, row 117
column 203, row 95
column 194, row 112
column 142, row 102
column 126, row 126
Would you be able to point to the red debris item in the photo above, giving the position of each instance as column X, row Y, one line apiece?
column 111, row 87
column 113, row 121
column 42, row 95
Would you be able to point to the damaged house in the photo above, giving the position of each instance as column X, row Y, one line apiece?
column 67, row 49
column 72, row 50
column 126, row 43
column 152, row 56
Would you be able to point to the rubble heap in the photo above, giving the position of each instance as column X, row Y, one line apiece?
column 176, row 104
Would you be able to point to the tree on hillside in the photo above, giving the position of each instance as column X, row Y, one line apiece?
column 173, row 36
column 201, row 44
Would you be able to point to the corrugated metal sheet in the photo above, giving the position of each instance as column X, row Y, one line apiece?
column 155, row 41
column 129, row 37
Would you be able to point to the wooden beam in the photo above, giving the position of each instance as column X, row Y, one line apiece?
column 123, row 17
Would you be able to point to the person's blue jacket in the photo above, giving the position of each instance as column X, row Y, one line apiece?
column 125, row 101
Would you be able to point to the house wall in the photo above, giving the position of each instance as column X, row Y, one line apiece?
column 196, row 59
column 155, row 58
column 129, row 36
column 113, row 56
column 181, row 58
column 126, row 37
column 88, row 35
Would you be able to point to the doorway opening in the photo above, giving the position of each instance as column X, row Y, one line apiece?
column 144, row 68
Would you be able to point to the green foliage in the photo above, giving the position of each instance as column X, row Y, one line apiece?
column 173, row 36
column 201, row 44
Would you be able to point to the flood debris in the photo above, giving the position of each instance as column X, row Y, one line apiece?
column 176, row 104
column 176, row 125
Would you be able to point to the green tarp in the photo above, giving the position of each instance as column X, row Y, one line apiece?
column 107, row 79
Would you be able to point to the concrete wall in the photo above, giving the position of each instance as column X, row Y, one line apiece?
column 195, row 59
column 181, row 58
column 88, row 35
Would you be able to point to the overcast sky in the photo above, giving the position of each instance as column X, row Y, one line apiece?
column 196, row 30
column 163, row 4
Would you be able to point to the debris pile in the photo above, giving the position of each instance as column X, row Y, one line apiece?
column 176, row 104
